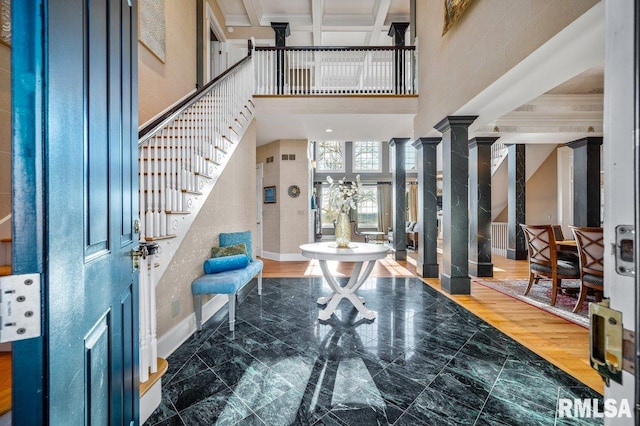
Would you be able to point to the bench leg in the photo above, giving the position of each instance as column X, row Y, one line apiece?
column 232, row 311
column 260, row 284
column 197, row 306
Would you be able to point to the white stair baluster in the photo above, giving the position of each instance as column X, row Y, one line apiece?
column 161, row 186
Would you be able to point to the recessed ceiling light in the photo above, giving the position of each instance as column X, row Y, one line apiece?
column 230, row 29
column 328, row 130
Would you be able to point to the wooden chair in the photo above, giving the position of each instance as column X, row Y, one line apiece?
column 543, row 259
column 590, row 243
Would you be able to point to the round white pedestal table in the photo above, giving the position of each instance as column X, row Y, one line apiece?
column 358, row 253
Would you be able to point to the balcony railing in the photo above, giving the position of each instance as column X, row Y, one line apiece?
column 385, row 70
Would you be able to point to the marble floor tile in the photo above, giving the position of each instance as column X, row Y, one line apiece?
column 424, row 360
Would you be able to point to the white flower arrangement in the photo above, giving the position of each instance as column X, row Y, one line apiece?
column 344, row 196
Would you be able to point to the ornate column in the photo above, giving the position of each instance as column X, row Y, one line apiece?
column 427, row 262
column 282, row 31
column 517, row 182
column 480, row 206
column 455, row 201
column 399, row 177
column 586, row 181
column 397, row 30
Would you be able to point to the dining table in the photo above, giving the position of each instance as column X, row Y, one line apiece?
column 363, row 255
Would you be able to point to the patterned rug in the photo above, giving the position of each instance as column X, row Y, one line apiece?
column 540, row 297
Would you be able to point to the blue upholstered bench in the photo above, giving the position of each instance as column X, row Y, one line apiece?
column 227, row 282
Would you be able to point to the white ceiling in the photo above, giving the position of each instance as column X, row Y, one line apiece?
column 321, row 22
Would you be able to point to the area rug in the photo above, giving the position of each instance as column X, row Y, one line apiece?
column 540, row 297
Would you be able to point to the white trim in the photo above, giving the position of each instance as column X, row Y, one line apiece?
column 171, row 340
column 283, row 257
column 150, row 401
column 212, row 24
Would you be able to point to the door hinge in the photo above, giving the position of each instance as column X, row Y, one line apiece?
column 19, row 307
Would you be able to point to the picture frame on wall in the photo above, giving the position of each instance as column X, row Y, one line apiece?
column 269, row 194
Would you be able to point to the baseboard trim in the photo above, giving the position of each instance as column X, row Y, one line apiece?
column 172, row 339
column 283, row 257
column 150, row 401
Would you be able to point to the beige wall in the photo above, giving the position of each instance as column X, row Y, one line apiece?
column 231, row 207
column 491, row 37
column 542, row 194
column 270, row 212
column 5, row 130
column 286, row 222
column 162, row 84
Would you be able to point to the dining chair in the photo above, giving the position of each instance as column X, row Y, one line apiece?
column 564, row 252
column 543, row 259
column 590, row 244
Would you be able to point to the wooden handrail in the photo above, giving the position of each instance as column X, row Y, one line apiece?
column 169, row 114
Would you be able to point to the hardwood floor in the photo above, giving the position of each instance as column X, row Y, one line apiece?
column 5, row 382
column 560, row 342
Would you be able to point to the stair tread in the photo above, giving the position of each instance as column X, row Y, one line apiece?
column 166, row 237
column 5, row 270
column 5, row 382
column 163, row 365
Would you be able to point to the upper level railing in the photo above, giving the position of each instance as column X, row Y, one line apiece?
column 335, row 70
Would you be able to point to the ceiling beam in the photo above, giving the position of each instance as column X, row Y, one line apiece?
column 380, row 11
column 254, row 11
column 317, row 12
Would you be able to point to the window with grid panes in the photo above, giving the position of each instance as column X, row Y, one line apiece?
column 330, row 156
column 368, row 208
column 366, row 156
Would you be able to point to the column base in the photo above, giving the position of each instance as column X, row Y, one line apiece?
column 455, row 285
column 427, row 270
column 480, row 269
column 517, row 254
column 400, row 255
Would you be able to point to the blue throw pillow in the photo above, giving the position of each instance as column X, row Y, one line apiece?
column 233, row 238
column 225, row 263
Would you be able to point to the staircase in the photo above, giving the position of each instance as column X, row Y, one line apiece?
column 181, row 155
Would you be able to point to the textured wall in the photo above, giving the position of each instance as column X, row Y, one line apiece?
column 231, row 207
column 162, row 84
column 5, row 130
column 491, row 37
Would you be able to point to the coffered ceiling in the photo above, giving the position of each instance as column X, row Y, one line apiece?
column 321, row 22
column 554, row 96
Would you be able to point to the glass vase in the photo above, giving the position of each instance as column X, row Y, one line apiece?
column 343, row 230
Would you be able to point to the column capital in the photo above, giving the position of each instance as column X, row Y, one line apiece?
column 420, row 142
column 398, row 141
column 282, row 31
column 579, row 143
column 482, row 141
column 397, row 30
column 454, row 120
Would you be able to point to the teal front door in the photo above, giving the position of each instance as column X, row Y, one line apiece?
column 74, row 208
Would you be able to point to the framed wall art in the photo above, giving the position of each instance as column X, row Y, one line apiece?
column 269, row 194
